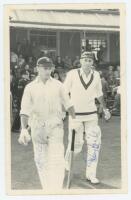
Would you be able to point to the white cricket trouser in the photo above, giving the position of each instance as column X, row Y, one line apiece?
column 93, row 140
column 49, row 156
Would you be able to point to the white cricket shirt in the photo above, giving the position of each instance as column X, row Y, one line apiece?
column 83, row 91
column 44, row 101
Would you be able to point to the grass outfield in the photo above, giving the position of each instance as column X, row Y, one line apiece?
column 24, row 174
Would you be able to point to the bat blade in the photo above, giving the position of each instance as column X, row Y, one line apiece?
column 71, row 160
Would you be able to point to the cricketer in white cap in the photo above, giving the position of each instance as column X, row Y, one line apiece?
column 41, row 109
column 84, row 85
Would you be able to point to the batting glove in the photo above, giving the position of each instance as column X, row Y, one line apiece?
column 24, row 137
column 107, row 114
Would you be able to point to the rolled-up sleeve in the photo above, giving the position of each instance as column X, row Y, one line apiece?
column 99, row 92
column 26, row 103
column 68, row 82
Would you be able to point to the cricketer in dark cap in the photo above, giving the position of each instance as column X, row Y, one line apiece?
column 45, row 62
column 87, row 61
column 87, row 54
column 45, row 67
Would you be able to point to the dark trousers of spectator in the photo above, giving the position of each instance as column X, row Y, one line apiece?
column 117, row 102
column 16, row 122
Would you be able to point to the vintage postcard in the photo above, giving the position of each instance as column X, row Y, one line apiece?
column 65, row 99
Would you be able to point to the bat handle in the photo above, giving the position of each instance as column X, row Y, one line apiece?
column 73, row 140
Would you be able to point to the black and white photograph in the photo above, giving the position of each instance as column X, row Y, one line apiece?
column 65, row 86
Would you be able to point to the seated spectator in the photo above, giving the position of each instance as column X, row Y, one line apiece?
column 17, row 72
column 63, row 74
column 111, row 80
column 27, row 71
column 105, row 86
column 67, row 62
column 56, row 75
column 31, row 62
column 59, row 63
column 21, row 61
column 76, row 63
column 116, row 105
column 110, row 71
column 32, row 76
column 117, row 72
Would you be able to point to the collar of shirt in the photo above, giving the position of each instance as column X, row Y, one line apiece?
column 38, row 80
column 85, row 78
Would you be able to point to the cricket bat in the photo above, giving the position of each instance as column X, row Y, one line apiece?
column 71, row 159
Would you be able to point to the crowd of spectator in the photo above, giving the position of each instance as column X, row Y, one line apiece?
column 23, row 70
column 111, row 88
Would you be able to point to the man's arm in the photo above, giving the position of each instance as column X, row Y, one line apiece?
column 66, row 101
column 24, row 137
column 24, row 121
column 102, row 102
column 26, row 104
column 100, row 98
column 103, row 108
column 68, row 83
column 71, row 112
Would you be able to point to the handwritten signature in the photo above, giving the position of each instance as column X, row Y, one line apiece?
column 93, row 157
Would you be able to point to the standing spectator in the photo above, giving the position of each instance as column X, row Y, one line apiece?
column 13, row 84
column 27, row 47
column 35, row 50
column 100, row 54
column 13, row 59
column 88, row 46
column 95, row 52
column 76, row 63
column 59, row 63
column 84, row 85
column 19, row 48
column 116, row 106
column 67, row 62
column 20, row 88
column 110, row 71
column 42, row 105
column 105, row 86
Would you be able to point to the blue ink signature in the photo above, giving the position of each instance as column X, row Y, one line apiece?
column 96, row 146
column 93, row 157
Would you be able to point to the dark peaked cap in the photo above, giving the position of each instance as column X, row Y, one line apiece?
column 45, row 61
column 87, row 54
